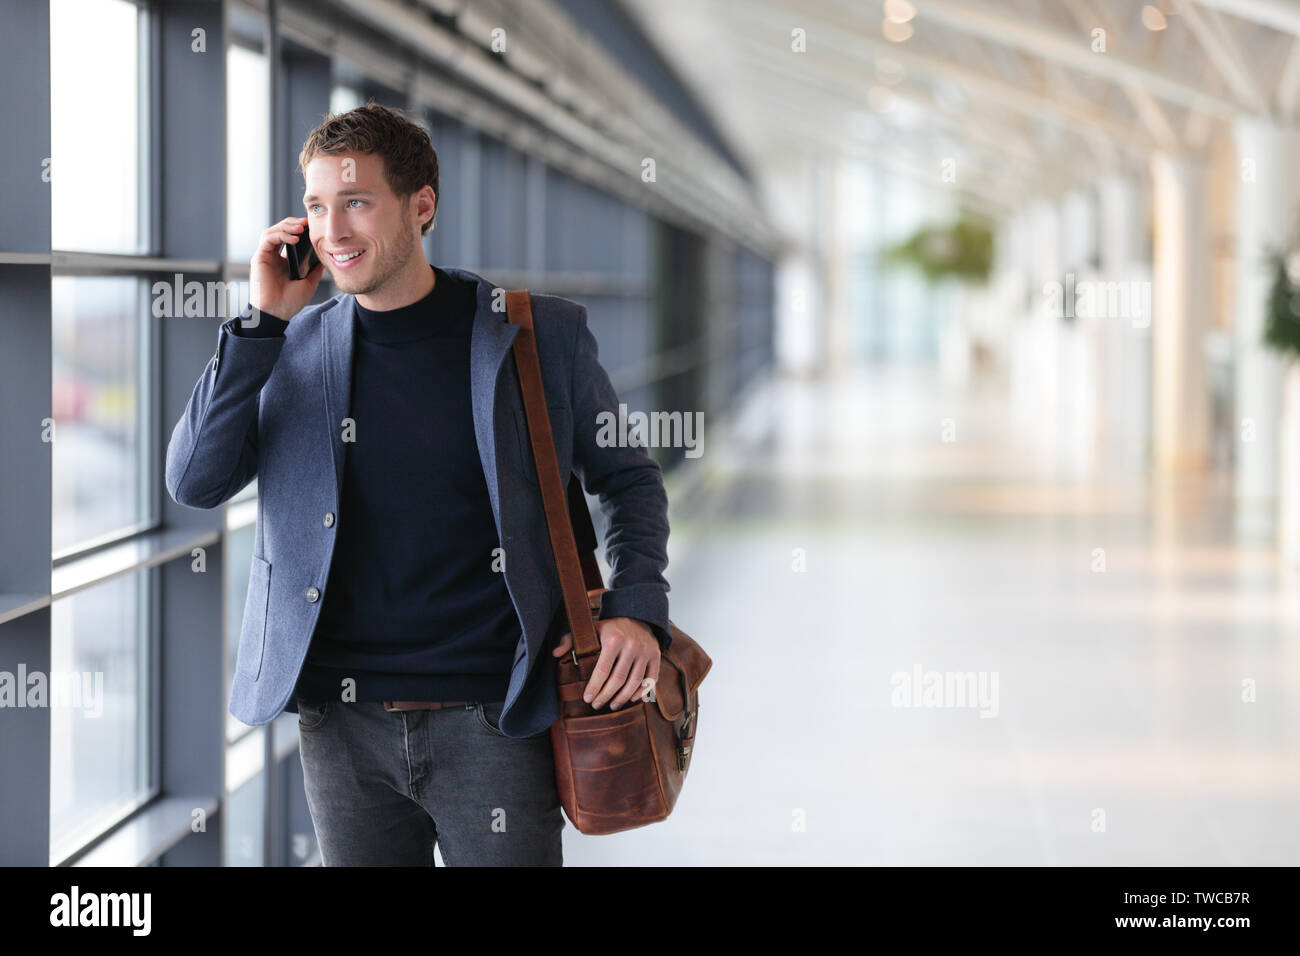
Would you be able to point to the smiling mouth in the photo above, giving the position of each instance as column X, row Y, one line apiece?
column 344, row 258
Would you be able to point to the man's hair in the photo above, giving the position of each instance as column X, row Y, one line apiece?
column 410, row 162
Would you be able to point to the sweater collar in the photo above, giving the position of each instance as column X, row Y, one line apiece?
column 430, row 316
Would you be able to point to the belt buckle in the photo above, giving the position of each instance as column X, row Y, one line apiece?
column 392, row 706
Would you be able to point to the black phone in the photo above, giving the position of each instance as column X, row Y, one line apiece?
column 301, row 256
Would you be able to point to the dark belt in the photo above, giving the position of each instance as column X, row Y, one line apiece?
column 423, row 704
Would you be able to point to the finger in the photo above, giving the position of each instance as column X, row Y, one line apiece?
column 276, row 235
column 563, row 646
column 313, row 276
column 622, row 667
column 651, row 674
column 294, row 226
column 646, row 689
column 632, row 687
column 604, row 665
column 628, row 682
column 290, row 223
column 271, row 254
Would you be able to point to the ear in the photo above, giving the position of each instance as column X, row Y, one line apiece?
column 426, row 205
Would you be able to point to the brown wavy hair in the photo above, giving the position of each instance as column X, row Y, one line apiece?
column 410, row 161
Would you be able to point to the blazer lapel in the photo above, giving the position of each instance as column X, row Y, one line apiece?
column 490, row 340
column 337, row 336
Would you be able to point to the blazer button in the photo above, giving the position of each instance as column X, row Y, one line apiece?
column 313, row 595
column 329, row 519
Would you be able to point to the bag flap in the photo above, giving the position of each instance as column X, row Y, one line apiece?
column 683, row 657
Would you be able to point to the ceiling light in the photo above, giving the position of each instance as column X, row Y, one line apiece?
column 899, row 11
column 896, row 32
column 1153, row 19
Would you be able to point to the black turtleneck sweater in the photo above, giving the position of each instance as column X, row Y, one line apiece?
column 412, row 609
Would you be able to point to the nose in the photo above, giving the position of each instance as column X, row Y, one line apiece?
column 335, row 228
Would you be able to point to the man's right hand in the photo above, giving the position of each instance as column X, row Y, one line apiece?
column 271, row 289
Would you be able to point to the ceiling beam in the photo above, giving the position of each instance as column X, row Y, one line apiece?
column 996, row 173
column 980, row 175
column 1049, row 43
column 1288, row 85
column 1221, row 47
column 1004, row 141
column 1281, row 15
column 850, row 42
column 1144, row 104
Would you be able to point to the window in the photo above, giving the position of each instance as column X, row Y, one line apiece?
column 97, row 173
column 248, row 150
column 344, row 98
column 239, row 559
column 102, row 469
column 245, row 805
column 99, row 709
column 245, row 818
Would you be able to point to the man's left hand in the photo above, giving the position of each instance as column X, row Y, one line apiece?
column 629, row 653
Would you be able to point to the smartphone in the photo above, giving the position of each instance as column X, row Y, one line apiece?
column 301, row 256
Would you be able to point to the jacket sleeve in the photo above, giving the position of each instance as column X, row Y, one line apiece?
column 212, row 454
column 629, row 484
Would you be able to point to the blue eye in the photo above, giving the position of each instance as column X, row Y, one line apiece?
column 314, row 206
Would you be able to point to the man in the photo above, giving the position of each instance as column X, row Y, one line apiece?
column 403, row 592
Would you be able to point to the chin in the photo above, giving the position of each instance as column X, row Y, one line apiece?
column 348, row 283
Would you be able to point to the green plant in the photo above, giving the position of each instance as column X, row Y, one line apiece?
column 1282, row 324
column 963, row 250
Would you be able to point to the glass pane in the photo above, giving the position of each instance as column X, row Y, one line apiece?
column 344, row 98
column 239, row 558
column 100, row 332
column 248, row 151
column 95, row 126
column 245, row 809
column 99, row 710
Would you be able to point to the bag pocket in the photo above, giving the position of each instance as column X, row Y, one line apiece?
column 614, row 773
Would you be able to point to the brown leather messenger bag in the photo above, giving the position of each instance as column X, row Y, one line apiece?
column 614, row 770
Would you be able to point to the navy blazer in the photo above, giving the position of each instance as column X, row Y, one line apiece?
column 275, row 407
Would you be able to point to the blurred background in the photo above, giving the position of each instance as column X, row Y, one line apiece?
column 989, row 310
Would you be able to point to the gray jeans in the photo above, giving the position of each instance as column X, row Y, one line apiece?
column 384, row 787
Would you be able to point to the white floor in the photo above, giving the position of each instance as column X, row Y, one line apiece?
column 1116, row 613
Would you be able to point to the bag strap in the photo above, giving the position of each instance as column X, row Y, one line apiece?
column 580, row 520
column 575, row 574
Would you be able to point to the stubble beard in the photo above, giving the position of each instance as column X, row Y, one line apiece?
column 392, row 262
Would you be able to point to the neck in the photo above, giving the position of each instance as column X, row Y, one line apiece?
column 412, row 284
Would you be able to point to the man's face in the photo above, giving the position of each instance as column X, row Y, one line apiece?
column 363, row 232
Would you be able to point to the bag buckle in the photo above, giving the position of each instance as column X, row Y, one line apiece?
column 683, row 755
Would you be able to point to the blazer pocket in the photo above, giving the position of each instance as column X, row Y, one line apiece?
column 561, row 433
column 252, row 634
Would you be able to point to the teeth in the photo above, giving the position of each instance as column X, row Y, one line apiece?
column 339, row 258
